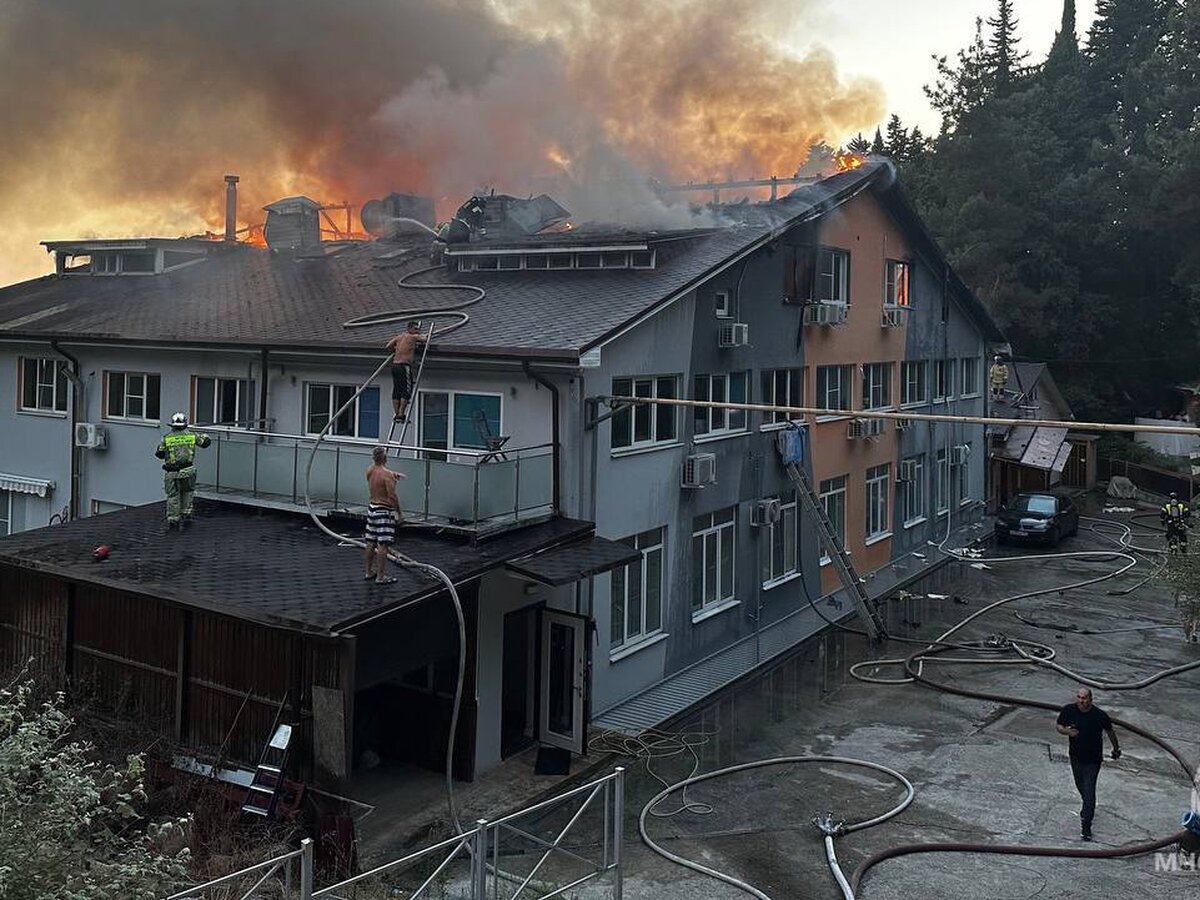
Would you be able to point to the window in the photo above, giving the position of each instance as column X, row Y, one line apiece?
column 878, row 523
column 877, row 385
column 452, row 420
column 43, row 385
column 723, row 305
column 641, row 259
column 943, row 385
column 645, row 424
column 833, row 276
column 729, row 388
column 132, row 395
column 6, row 513
column 963, row 472
column 781, row 387
column 833, row 499
column 941, row 484
column 713, row 549
column 587, row 260
column 914, row 383
column 224, row 401
column 970, row 377
column 896, row 286
column 833, row 387
column 637, row 591
column 779, row 545
column 360, row 419
column 912, row 489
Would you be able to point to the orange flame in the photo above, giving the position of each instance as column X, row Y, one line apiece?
column 848, row 162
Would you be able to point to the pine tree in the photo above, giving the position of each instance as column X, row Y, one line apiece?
column 1064, row 52
column 963, row 88
column 897, row 139
column 1003, row 55
column 877, row 147
column 859, row 145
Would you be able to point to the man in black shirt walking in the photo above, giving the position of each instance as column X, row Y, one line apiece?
column 1083, row 723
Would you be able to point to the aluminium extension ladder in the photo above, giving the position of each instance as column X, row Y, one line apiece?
column 412, row 401
column 267, row 783
column 867, row 609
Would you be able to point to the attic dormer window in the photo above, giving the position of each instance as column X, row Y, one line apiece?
column 112, row 262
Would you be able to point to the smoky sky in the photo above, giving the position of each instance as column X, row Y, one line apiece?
column 121, row 118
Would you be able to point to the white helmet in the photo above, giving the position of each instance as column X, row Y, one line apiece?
column 179, row 420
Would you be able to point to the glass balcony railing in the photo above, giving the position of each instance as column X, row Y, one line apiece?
column 471, row 490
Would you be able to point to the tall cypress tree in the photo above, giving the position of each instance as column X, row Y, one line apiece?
column 877, row 146
column 1003, row 53
column 1064, row 52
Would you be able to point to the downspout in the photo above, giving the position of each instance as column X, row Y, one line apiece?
column 76, row 402
column 549, row 385
column 262, row 392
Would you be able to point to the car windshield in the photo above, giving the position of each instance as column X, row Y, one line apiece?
column 1042, row 506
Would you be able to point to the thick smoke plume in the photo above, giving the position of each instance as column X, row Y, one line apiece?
column 122, row 120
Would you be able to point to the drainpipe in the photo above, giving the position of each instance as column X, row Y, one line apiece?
column 76, row 404
column 549, row 385
column 262, row 392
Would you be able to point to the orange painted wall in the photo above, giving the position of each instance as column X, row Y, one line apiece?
column 865, row 230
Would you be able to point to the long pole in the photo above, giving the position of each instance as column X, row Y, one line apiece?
column 913, row 416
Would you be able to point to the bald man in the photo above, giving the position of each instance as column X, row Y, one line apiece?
column 1084, row 723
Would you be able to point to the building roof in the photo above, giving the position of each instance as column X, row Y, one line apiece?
column 243, row 295
column 265, row 566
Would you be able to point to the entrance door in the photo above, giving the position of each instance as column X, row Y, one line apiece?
column 564, row 680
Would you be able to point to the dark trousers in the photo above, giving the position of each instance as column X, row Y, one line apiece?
column 1086, row 774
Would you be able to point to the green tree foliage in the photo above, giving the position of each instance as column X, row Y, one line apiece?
column 1065, row 196
column 69, row 825
column 859, row 145
column 877, row 146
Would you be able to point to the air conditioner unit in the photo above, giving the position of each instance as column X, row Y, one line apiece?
column 90, row 436
column 959, row 454
column 856, row 430
column 903, row 424
column 700, row 470
column 733, row 334
column 766, row 512
column 824, row 314
column 894, row 317
column 907, row 471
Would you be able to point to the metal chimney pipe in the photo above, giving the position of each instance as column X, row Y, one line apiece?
column 231, row 182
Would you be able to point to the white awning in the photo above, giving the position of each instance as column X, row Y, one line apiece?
column 21, row 485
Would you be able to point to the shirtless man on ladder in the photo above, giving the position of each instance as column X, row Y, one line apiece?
column 404, row 348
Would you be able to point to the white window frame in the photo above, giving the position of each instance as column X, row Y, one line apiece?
column 776, row 533
column 943, row 382
column 450, row 396
column 828, row 489
column 973, row 366
column 878, row 518
column 708, row 422
column 723, row 304
column 331, row 387
column 6, row 513
column 653, row 383
column 244, row 403
column 837, row 278
column 877, row 380
column 845, row 387
column 890, row 300
column 918, row 385
column 721, row 528
column 941, row 484
column 963, row 481
column 913, row 493
column 651, row 542
column 126, row 394
column 794, row 383
column 57, row 377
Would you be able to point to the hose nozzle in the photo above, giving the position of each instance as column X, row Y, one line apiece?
column 827, row 826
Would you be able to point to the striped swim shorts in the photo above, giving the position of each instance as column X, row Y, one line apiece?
column 381, row 524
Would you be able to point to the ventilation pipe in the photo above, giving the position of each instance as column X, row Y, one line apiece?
column 231, row 182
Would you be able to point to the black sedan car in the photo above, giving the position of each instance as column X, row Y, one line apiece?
column 1042, row 518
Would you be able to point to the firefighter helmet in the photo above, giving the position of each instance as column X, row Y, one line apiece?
column 179, row 420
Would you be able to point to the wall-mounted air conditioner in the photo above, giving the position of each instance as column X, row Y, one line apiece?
column 959, row 454
column 733, row 334
column 894, row 317
column 766, row 512
column 825, row 314
column 700, row 470
column 907, row 470
column 903, row 424
column 864, row 428
column 90, row 436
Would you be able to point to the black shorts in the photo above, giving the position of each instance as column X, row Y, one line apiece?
column 401, row 382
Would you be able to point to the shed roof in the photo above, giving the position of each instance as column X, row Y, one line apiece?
column 274, row 568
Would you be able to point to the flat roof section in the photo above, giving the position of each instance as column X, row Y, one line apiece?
column 267, row 566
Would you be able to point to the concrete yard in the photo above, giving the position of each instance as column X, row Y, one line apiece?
column 984, row 772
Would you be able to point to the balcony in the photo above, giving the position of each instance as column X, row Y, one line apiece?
column 473, row 492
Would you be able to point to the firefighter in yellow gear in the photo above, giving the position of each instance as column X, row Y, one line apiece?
column 177, row 450
column 998, row 376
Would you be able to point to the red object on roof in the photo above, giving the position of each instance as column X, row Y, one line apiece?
column 101, row 553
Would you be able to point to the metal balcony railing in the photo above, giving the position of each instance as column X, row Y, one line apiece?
column 470, row 490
